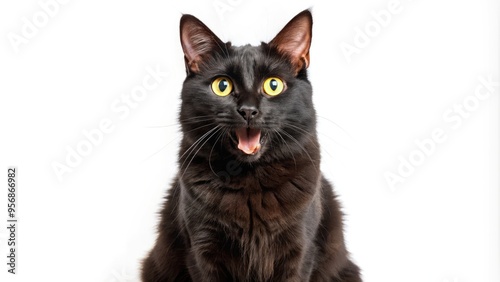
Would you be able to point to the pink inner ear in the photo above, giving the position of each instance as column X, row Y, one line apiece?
column 187, row 47
column 298, row 46
column 294, row 39
column 196, row 40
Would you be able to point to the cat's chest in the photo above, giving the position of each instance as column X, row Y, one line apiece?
column 252, row 200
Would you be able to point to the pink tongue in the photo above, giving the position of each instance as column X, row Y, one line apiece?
column 248, row 140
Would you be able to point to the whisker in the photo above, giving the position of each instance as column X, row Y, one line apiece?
column 333, row 140
column 309, row 136
column 196, row 117
column 173, row 139
column 199, row 148
column 286, row 144
column 188, row 120
column 323, row 134
column 196, row 143
column 161, row 126
column 336, row 124
column 213, row 146
column 161, row 149
column 179, row 177
column 302, row 147
column 302, row 130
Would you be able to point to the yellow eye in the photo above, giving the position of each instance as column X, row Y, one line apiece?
column 222, row 86
column 273, row 86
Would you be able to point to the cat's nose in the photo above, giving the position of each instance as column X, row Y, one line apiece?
column 248, row 112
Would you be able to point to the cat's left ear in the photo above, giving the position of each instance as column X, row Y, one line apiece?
column 294, row 40
column 198, row 42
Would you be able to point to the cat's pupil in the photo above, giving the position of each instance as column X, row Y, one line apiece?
column 273, row 84
column 223, row 85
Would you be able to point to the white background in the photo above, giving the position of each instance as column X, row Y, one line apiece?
column 441, row 224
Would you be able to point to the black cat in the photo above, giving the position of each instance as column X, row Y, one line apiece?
column 249, row 202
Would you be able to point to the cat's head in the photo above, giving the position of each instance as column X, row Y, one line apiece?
column 253, row 102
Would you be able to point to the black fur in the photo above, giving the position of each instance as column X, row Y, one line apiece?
column 232, row 216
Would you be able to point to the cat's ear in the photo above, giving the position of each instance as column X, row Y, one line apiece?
column 294, row 40
column 197, row 42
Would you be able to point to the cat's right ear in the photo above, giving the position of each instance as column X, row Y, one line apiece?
column 294, row 40
column 197, row 42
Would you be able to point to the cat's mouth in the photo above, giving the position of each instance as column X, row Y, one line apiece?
column 249, row 140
